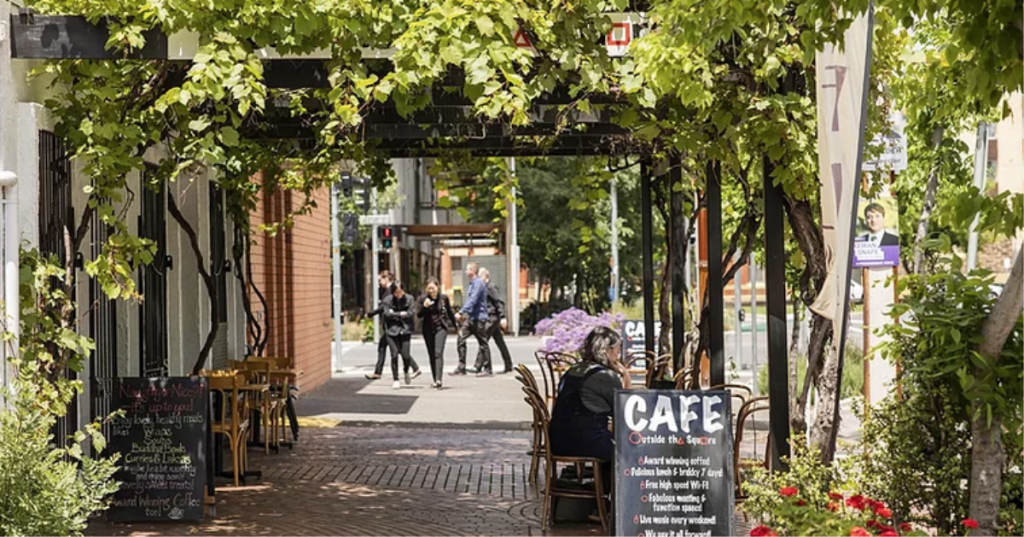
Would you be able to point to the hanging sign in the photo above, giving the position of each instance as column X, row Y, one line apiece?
column 674, row 463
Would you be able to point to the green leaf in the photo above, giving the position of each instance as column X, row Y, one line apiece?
column 485, row 25
column 229, row 136
column 198, row 125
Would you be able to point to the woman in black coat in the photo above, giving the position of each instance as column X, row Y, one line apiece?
column 398, row 311
column 438, row 319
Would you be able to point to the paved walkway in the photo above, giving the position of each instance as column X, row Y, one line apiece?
column 376, row 461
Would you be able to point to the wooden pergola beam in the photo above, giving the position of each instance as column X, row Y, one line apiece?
column 455, row 230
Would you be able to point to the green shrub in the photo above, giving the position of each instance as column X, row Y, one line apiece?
column 48, row 486
column 48, row 490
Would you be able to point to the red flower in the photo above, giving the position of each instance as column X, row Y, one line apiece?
column 970, row 523
column 856, row 502
column 874, row 505
column 874, row 524
column 788, row 491
column 762, row 531
column 801, row 503
column 888, row 533
column 833, row 506
column 883, row 512
column 835, row 496
column 883, row 527
column 906, row 528
column 858, row 531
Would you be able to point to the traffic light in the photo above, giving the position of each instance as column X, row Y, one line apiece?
column 387, row 236
column 350, row 231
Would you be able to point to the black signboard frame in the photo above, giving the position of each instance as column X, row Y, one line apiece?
column 633, row 343
column 163, row 439
column 671, row 483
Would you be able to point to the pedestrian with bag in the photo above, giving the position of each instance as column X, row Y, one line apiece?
column 496, row 321
column 475, row 312
column 438, row 318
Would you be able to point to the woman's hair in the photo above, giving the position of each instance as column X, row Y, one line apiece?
column 600, row 340
column 433, row 280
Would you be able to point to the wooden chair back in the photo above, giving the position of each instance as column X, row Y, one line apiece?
column 557, row 363
column 234, row 410
column 684, row 378
column 739, row 393
column 657, row 369
column 751, row 407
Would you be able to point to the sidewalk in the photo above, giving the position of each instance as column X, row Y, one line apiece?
column 372, row 460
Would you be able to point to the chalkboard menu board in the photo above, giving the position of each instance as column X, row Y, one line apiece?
column 162, row 441
column 673, row 463
column 633, row 338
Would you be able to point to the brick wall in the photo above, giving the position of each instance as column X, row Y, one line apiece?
column 293, row 271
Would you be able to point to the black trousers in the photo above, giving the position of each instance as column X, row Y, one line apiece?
column 498, row 335
column 382, row 354
column 400, row 345
column 482, row 333
column 435, row 351
column 460, row 344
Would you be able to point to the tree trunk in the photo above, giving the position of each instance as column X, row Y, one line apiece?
column 211, row 291
column 929, row 204
column 801, row 217
column 987, row 454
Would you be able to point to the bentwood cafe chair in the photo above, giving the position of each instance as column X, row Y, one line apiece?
column 232, row 420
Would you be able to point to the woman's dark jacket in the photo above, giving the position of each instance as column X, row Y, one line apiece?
column 398, row 312
column 439, row 316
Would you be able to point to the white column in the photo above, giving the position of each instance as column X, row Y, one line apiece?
column 882, row 372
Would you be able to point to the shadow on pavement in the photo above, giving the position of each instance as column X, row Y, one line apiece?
column 340, row 395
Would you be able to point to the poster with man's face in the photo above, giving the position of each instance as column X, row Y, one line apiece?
column 877, row 239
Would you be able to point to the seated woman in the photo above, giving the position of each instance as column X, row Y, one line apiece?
column 586, row 400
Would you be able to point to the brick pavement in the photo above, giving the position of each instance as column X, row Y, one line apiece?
column 379, row 481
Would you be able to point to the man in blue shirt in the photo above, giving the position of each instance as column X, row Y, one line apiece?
column 475, row 312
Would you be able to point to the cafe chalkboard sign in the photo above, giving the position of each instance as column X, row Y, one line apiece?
column 673, row 463
column 633, row 338
column 162, row 439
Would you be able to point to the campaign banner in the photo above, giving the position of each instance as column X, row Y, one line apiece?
column 877, row 242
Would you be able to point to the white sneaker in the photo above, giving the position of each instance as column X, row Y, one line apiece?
column 433, row 384
column 397, row 385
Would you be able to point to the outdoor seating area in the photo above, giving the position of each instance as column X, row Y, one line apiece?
column 580, row 477
column 249, row 402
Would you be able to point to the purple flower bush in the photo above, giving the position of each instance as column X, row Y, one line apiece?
column 569, row 329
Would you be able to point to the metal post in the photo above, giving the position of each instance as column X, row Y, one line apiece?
column 737, row 306
column 716, row 309
column 513, row 259
column 336, row 269
column 648, row 252
column 980, row 169
column 753, row 320
column 775, row 299
column 375, row 263
column 615, row 243
column 677, row 258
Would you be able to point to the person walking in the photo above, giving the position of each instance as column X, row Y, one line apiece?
column 496, row 320
column 438, row 318
column 384, row 280
column 460, row 345
column 398, row 317
column 475, row 310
